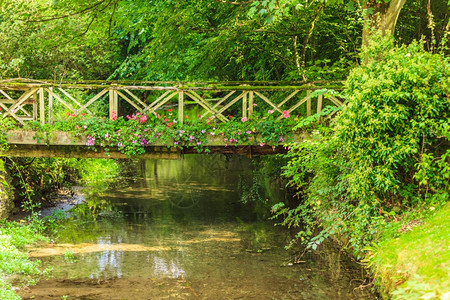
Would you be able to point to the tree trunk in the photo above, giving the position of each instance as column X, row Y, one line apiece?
column 382, row 19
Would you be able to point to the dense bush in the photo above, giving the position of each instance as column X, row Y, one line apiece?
column 395, row 126
column 387, row 151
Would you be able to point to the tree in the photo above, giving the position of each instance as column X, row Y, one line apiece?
column 197, row 40
column 381, row 17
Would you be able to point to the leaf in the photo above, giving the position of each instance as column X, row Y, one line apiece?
column 350, row 6
column 262, row 11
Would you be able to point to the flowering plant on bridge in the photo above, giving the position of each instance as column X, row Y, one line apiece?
column 131, row 134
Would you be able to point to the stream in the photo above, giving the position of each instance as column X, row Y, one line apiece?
column 179, row 230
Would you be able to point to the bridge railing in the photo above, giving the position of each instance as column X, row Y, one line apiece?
column 49, row 101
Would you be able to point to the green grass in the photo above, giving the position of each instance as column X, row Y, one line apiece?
column 13, row 257
column 416, row 265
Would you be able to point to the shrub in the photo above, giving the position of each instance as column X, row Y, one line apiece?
column 387, row 150
column 395, row 127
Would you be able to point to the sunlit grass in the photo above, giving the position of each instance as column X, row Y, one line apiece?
column 416, row 265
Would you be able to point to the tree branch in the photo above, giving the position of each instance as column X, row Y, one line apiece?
column 83, row 33
column 111, row 18
column 282, row 58
column 310, row 32
column 297, row 59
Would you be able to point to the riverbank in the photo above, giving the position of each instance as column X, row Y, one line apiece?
column 14, row 258
column 47, row 182
column 415, row 263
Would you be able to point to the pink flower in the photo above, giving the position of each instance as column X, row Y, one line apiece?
column 261, row 144
column 270, row 111
column 285, row 114
column 113, row 116
column 90, row 141
column 244, row 119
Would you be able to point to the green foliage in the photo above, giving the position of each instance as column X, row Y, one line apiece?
column 216, row 40
column 417, row 13
column 36, row 179
column 34, row 46
column 13, row 238
column 5, row 125
column 68, row 256
column 387, row 151
column 173, row 40
column 88, row 170
column 396, row 121
column 195, row 40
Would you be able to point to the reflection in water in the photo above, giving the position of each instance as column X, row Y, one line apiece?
column 183, row 221
column 165, row 268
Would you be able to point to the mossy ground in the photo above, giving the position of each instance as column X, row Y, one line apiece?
column 416, row 265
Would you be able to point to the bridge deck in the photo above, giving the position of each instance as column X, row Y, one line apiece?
column 63, row 144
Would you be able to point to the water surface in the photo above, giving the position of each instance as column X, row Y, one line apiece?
column 180, row 231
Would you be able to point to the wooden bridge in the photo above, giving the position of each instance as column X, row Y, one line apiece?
column 48, row 102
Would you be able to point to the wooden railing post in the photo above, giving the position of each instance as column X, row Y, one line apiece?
column 250, row 104
column 308, row 104
column 50, row 106
column 181, row 107
column 41, row 106
column 116, row 102
column 113, row 103
column 319, row 103
column 35, row 108
column 244, row 106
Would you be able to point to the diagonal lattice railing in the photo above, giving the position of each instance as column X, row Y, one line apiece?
column 48, row 101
